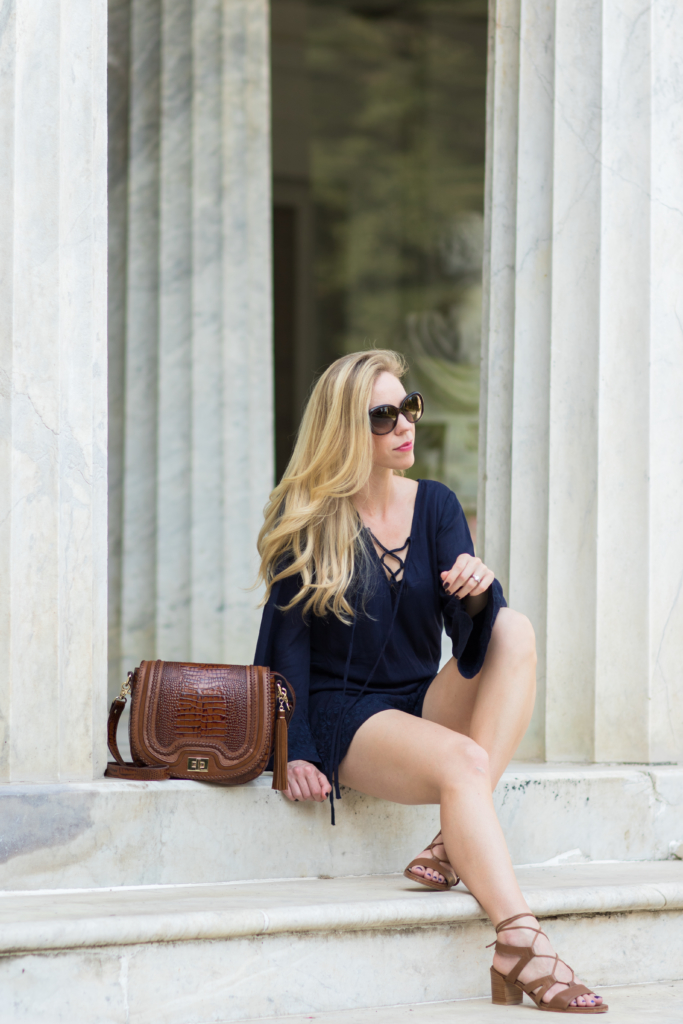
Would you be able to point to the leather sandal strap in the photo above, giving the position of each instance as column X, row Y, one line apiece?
column 436, row 841
column 522, row 928
column 507, row 950
column 526, row 954
column 544, row 983
column 514, row 974
column 434, row 865
column 562, row 1000
column 508, row 920
column 504, row 947
column 538, row 986
column 525, row 958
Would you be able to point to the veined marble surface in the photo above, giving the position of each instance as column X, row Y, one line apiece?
column 581, row 495
column 188, row 955
column 142, row 914
column 53, row 392
column 116, row 832
column 192, row 395
column 629, row 1004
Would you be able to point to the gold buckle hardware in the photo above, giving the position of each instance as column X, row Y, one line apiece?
column 126, row 687
column 282, row 698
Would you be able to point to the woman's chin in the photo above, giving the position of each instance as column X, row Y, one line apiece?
column 405, row 460
column 396, row 461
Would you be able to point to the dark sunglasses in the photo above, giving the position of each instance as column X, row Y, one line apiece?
column 383, row 418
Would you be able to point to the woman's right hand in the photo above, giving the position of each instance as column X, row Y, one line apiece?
column 306, row 782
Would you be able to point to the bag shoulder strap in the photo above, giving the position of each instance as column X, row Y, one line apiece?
column 118, row 768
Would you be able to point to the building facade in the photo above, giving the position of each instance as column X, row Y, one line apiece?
column 581, row 425
column 163, row 287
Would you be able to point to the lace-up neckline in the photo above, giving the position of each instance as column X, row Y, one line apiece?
column 394, row 575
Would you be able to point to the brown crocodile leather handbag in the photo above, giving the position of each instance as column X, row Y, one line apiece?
column 215, row 723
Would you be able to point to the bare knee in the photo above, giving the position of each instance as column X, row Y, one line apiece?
column 513, row 632
column 464, row 760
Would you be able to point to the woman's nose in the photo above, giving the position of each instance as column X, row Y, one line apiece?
column 402, row 424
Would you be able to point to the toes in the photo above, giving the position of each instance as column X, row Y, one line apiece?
column 434, row 876
column 418, row 870
column 588, row 1000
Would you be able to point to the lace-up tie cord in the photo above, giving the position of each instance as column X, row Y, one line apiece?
column 393, row 574
column 332, row 769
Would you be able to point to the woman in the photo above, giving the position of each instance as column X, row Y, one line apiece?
column 363, row 569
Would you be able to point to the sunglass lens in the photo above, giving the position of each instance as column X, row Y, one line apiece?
column 412, row 408
column 383, row 420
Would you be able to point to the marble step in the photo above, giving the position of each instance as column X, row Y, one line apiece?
column 112, row 833
column 216, row 953
column 632, row 1004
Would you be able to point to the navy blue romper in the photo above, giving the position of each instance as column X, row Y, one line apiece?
column 388, row 657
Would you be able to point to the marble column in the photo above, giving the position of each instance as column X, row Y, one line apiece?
column 53, row 392
column 193, row 393
column 581, row 493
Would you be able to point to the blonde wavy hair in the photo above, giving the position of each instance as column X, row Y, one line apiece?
column 311, row 526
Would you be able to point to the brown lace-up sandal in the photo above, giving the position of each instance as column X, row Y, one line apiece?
column 506, row 989
column 434, row 864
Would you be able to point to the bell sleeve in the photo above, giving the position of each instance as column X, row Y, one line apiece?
column 284, row 645
column 469, row 635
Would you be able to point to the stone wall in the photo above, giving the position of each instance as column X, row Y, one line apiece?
column 581, row 494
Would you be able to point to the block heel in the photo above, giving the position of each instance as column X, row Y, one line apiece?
column 502, row 992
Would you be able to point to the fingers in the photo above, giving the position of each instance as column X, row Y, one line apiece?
column 487, row 578
column 460, row 581
column 306, row 782
column 458, row 577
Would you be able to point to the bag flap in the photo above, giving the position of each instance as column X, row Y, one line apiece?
column 227, row 710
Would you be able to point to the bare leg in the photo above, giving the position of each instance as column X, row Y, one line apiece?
column 409, row 760
column 412, row 761
column 495, row 706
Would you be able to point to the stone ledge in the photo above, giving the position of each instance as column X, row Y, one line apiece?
column 358, row 948
column 629, row 1004
column 112, row 833
column 133, row 916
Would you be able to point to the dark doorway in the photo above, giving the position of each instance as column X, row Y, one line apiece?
column 378, row 182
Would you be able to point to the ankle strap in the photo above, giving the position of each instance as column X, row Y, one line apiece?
column 508, row 920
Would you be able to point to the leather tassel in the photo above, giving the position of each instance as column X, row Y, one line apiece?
column 280, row 753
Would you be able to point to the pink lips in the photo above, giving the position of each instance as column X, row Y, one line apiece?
column 405, row 447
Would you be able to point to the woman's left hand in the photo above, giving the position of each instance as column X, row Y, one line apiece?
column 469, row 577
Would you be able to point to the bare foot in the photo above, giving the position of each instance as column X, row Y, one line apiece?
column 542, row 965
column 438, row 852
